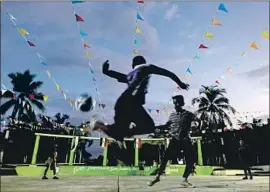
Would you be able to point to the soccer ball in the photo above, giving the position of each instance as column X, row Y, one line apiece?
column 85, row 103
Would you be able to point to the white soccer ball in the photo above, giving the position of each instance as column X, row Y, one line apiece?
column 85, row 103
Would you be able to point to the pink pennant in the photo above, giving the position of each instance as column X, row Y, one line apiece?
column 157, row 110
column 31, row 44
column 202, row 46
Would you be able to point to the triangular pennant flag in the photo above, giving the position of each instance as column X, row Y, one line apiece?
column 139, row 17
column 43, row 63
column 103, row 106
column 23, row 31
column 70, row 102
column 222, row 8
column 265, row 34
column 31, row 44
column 138, row 30
column 82, row 33
column 150, row 110
column 217, row 82
column 11, row 17
column 216, row 22
column 208, row 35
column 157, row 111
column 86, row 45
column 135, row 52
column 244, row 54
column 88, row 54
column 254, row 45
column 45, row 98
column 75, row 2
column 207, row 91
column 229, row 70
column 49, row 74
column 57, row 86
column 40, row 56
column 196, row 57
column 31, row 96
column 189, row 71
column 202, row 46
column 78, row 18
column 140, row 1
column 136, row 42
column 65, row 96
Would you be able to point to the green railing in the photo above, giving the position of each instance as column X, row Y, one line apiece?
column 105, row 152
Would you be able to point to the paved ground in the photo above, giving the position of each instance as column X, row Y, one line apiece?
column 131, row 184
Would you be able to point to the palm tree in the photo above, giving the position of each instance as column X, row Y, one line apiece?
column 61, row 118
column 213, row 106
column 25, row 89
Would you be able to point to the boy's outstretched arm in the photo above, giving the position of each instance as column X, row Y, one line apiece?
column 122, row 78
column 152, row 69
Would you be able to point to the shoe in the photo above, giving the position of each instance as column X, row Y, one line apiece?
column 185, row 183
column 153, row 182
column 55, row 177
column 121, row 144
column 44, row 177
column 251, row 178
column 244, row 178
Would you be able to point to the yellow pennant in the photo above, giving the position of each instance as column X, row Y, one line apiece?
column 49, row 74
column 265, row 34
column 70, row 102
column 138, row 30
column 57, row 86
column 229, row 70
column 208, row 35
column 254, row 45
column 88, row 54
column 45, row 98
column 23, row 31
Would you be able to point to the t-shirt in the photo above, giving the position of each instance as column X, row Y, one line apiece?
column 141, row 80
column 180, row 124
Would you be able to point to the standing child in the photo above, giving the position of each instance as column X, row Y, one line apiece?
column 244, row 154
column 51, row 163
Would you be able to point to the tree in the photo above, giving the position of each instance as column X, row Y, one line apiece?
column 24, row 96
column 61, row 118
column 213, row 107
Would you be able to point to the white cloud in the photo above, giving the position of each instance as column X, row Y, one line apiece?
column 172, row 13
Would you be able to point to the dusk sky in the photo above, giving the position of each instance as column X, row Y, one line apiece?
column 171, row 34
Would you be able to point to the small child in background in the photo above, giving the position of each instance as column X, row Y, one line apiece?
column 141, row 167
column 244, row 153
column 51, row 163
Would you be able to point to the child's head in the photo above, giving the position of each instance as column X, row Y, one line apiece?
column 138, row 60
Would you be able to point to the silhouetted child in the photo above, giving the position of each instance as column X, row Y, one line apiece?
column 244, row 154
column 51, row 163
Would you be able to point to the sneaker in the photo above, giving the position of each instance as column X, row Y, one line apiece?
column 251, row 178
column 244, row 178
column 55, row 177
column 121, row 144
column 153, row 182
column 44, row 177
column 185, row 183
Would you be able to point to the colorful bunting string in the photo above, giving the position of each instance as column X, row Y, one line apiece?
column 137, row 29
column 87, row 53
column 253, row 46
column 42, row 60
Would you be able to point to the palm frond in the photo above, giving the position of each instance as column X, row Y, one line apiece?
column 227, row 107
column 6, row 106
column 221, row 100
column 38, row 104
column 35, row 85
column 7, row 94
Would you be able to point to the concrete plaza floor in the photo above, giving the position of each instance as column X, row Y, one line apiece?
column 131, row 184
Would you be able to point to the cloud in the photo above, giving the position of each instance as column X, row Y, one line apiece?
column 257, row 73
column 172, row 13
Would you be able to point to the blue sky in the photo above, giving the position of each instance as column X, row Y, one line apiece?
column 171, row 34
